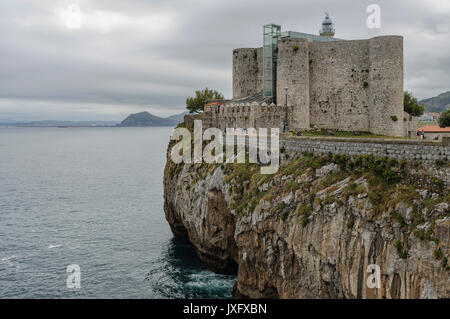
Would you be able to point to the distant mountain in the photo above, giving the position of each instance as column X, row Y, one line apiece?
column 56, row 123
column 438, row 103
column 147, row 119
column 5, row 121
column 177, row 118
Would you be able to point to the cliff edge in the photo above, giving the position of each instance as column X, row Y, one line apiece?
column 317, row 227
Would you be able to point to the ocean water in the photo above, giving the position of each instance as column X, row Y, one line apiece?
column 92, row 197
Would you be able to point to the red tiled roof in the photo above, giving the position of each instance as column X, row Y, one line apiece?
column 213, row 103
column 434, row 129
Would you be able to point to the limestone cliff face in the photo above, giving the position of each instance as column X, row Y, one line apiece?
column 312, row 229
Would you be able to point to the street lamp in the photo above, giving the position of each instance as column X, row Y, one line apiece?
column 285, row 128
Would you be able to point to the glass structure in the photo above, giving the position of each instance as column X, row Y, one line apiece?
column 271, row 35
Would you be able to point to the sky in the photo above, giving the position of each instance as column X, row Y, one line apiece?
column 105, row 59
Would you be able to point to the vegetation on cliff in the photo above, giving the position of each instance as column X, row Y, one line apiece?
column 362, row 209
column 384, row 181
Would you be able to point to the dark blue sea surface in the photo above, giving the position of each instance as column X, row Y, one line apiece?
column 92, row 197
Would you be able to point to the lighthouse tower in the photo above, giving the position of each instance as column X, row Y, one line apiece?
column 327, row 27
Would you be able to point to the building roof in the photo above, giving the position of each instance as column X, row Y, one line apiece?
column 258, row 98
column 307, row 36
column 434, row 129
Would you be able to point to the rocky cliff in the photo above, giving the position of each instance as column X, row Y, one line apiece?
column 312, row 229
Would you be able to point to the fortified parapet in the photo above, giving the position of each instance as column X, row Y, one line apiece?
column 386, row 85
column 247, row 72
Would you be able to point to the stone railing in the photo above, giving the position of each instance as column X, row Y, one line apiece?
column 407, row 149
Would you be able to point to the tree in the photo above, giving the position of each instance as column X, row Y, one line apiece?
column 195, row 104
column 411, row 105
column 444, row 119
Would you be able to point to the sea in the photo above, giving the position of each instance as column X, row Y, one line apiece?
column 81, row 216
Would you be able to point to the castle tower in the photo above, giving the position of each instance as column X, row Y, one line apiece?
column 327, row 27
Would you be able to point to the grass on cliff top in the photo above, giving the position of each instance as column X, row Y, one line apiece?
column 384, row 176
column 386, row 187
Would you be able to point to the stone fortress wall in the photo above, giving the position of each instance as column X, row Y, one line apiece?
column 389, row 147
column 350, row 85
column 247, row 72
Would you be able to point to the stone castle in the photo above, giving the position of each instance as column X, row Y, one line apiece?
column 300, row 81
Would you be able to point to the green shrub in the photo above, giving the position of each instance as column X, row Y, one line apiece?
column 292, row 186
column 304, row 211
column 399, row 247
column 399, row 218
column 445, row 264
column 444, row 119
column 438, row 253
column 438, row 182
column 195, row 104
column 280, row 207
column 394, row 118
column 411, row 105
column 284, row 214
column 439, row 163
column 305, row 221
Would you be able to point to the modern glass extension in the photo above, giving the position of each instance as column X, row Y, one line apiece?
column 271, row 35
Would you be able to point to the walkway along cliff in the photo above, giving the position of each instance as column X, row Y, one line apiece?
column 312, row 229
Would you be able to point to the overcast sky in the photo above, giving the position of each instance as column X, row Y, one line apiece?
column 126, row 56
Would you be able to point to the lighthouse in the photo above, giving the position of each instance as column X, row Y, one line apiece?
column 327, row 27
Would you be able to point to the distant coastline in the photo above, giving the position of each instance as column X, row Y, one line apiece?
column 143, row 119
column 60, row 124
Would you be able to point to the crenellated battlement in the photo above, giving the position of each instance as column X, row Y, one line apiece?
column 245, row 115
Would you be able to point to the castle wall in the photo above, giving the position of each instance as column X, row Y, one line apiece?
column 259, row 72
column 395, row 148
column 352, row 85
column 293, row 73
column 338, row 93
column 245, row 116
column 410, row 125
column 386, row 85
column 247, row 72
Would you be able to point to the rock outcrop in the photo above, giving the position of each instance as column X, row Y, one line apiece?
column 147, row 119
column 319, row 227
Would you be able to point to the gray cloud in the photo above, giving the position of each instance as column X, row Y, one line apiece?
column 149, row 55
